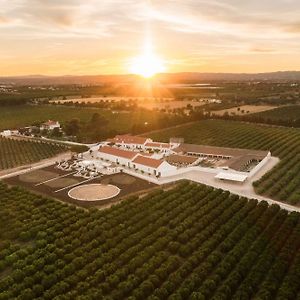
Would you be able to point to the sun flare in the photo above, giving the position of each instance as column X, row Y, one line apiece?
column 147, row 65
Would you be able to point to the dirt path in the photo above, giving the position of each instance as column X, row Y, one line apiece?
column 68, row 143
column 38, row 165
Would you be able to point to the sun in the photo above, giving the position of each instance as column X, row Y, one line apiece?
column 147, row 65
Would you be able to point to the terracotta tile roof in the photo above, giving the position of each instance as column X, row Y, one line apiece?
column 118, row 152
column 147, row 161
column 239, row 162
column 110, row 140
column 50, row 122
column 181, row 159
column 146, row 154
column 211, row 150
column 157, row 145
column 129, row 139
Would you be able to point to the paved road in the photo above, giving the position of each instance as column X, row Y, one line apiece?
column 245, row 189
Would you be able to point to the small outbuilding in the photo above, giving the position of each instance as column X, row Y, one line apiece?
column 231, row 177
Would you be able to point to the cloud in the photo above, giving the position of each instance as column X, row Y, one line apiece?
column 4, row 20
column 292, row 27
column 213, row 29
column 112, row 17
column 262, row 50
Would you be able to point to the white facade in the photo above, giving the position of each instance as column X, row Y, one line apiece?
column 159, row 149
column 132, row 146
column 6, row 133
column 114, row 159
column 50, row 125
column 165, row 169
column 153, row 164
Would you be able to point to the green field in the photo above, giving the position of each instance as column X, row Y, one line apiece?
column 190, row 242
column 14, row 153
column 283, row 182
column 286, row 113
column 18, row 116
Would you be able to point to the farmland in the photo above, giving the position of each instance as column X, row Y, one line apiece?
column 14, row 153
column 244, row 110
column 286, row 113
column 282, row 182
column 144, row 102
column 190, row 242
column 18, row 116
column 123, row 122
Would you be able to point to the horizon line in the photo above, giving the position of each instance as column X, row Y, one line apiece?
column 158, row 74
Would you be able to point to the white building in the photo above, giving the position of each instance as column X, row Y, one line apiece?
column 7, row 133
column 159, row 147
column 141, row 155
column 50, row 125
column 115, row 155
column 130, row 141
column 152, row 166
column 137, row 161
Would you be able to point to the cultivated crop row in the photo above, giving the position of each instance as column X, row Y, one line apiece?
column 15, row 153
column 282, row 182
column 190, row 242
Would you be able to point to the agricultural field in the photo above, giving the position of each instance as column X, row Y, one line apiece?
column 286, row 113
column 144, row 102
column 282, row 182
column 244, row 110
column 14, row 153
column 190, row 242
column 24, row 115
column 95, row 99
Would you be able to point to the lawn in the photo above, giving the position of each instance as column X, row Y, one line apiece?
column 190, row 242
column 282, row 182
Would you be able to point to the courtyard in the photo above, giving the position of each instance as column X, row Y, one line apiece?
column 86, row 192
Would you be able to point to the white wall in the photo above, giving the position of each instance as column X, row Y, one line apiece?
column 112, row 158
column 6, row 133
column 166, row 169
column 133, row 146
column 143, row 168
column 260, row 165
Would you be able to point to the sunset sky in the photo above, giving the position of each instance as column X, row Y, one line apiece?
column 58, row 37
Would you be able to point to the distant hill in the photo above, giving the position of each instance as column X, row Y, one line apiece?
column 200, row 77
column 61, row 80
column 185, row 77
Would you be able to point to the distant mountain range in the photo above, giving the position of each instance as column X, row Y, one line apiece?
column 186, row 77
